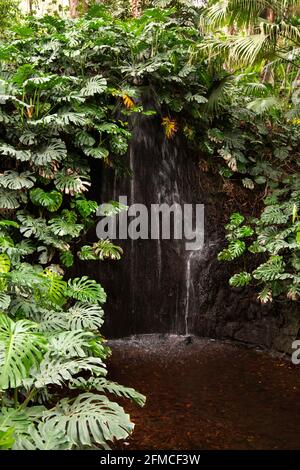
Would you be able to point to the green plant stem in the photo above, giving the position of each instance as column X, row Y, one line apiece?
column 16, row 397
column 28, row 398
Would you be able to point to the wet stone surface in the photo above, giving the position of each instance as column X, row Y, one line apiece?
column 206, row 394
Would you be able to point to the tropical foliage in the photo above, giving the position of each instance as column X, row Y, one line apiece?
column 58, row 114
column 224, row 76
column 261, row 142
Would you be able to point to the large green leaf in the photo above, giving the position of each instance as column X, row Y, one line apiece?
column 9, row 199
column 94, row 85
column 85, row 316
column 73, row 343
column 54, row 151
column 101, row 384
column 85, row 289
column 59, row 370
column 4, row 263
column 21, row 347
column 56, row 286
column 60, row 226
column 46, row 436
column 14, row 180
column 91, row 419
column 71, row 182
column 52, row 200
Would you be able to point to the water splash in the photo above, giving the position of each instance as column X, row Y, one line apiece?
column 192, row 257
column 188, row 286
column 159, row 246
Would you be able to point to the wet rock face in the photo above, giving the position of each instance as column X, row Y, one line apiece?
column 158, row 286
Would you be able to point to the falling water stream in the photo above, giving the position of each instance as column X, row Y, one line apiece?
column 154, row 287
column 189, row 287
column 132, row 248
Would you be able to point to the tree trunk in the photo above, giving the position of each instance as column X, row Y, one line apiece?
column 77, row 7
column 270, row 15
column 267, row 72
column 135, row 8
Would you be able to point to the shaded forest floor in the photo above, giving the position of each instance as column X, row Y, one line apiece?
column 207, row 395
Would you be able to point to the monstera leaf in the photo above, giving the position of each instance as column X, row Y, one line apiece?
column 7, row 439
column 56, row 286
column 96, row 152
column 93, row 86
column 4, row 301
column 59, row 370
column 67, row 258
column 84, row 206
column 85, row 289
column 4, row 263
column 70, row 182
column 14, row 180
column 22, row 155
column 9, row 199
column 54, row 151
column 85, row 316
column 21, row 347
column 46, row 436
column 12, row 418
column 91, row 419
column 70, row 343
column 61, row 227
column 101, row 384
column 50, row 200
column 106, row 249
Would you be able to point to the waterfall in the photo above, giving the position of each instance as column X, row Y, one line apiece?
column 188, row 287
column 151, row 289
column 132, row 248
column 158, row 286
column 192, row 260
column 159, row 265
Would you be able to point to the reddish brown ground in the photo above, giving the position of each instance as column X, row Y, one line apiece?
column 208, row 395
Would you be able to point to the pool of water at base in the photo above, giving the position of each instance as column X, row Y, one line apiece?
column 207, row 394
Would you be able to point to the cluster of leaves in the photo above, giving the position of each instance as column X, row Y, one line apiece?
column 255, row 133
column 9, row 12
column 275, row 236
column 69, row 93
column 58, row 113
column 262, row 153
